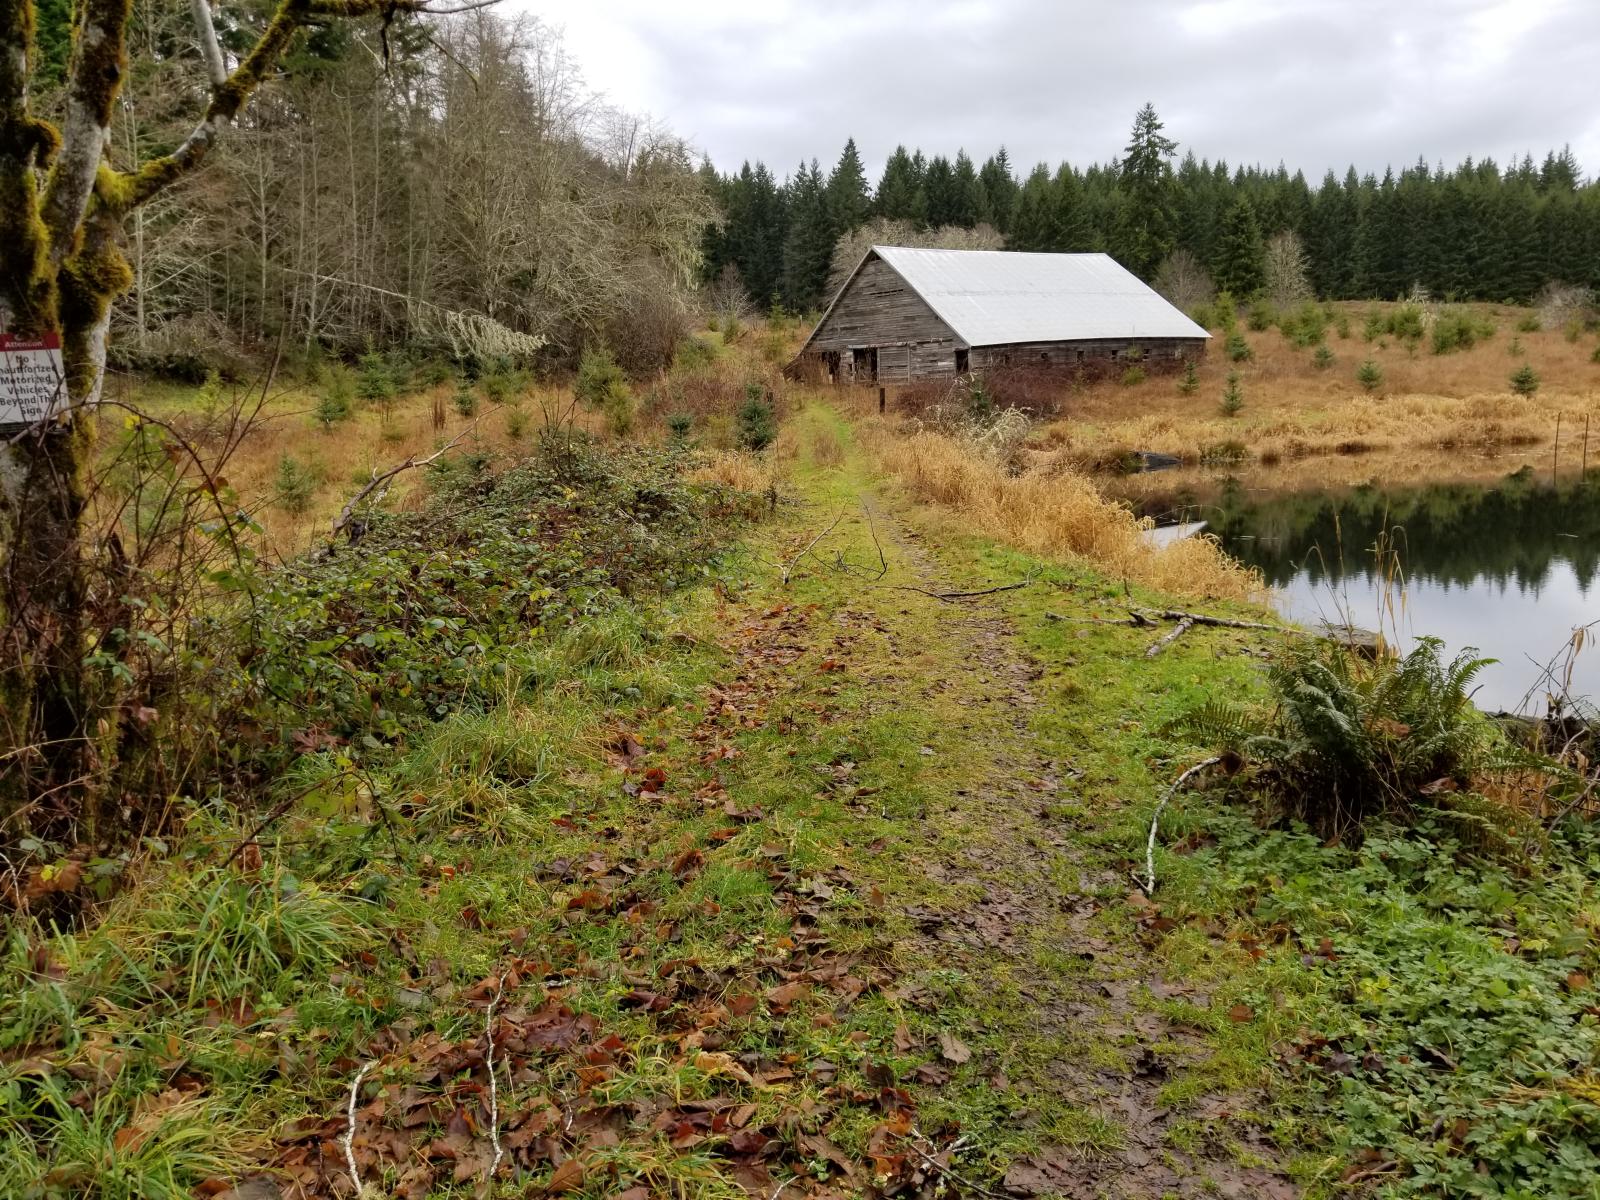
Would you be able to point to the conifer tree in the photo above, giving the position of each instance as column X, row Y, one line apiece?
column 1000, row 189
column 897, row 190
column 848, row 203
column 968, row 203
column 808, row 246
column 1069, row 229
column 1147, row 224
column 1241, row 252
column 1030, row 219
column 939, row 187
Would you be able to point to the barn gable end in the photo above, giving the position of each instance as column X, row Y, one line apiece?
column 879, row 312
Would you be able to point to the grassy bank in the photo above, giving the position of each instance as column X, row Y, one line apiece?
column 779, row 870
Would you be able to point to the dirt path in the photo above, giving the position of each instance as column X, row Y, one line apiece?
column 1037, row 891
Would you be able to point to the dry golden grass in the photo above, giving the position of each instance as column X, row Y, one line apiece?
column 1460, row 402
column 737, row 469
column 342, row 457
column 1058, row 513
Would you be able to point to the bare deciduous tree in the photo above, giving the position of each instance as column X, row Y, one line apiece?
column 882, row 231
column 1184, row 281
column 1287, row 280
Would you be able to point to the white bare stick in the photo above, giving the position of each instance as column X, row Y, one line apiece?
column 383, row 478
column 494, row 1088
column 350, row 1127
column 1166, row 639
column 1150, row 846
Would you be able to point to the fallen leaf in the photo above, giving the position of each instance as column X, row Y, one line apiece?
column 1241, row 1013
column 953, row 1049
column 568, row 1177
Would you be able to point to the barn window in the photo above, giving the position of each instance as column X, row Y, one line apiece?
column 1044, row 356
column 963, row 361
column 1080, row 355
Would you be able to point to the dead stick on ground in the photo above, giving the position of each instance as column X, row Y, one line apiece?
column 1166, row 639
column 383, row 479
column 938, row 1166
column 494, row 1088
column 952, row 596
column 788, row 568
column 1155, row 818
column 350, row 1127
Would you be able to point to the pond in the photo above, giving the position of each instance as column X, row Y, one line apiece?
column 1508, row 567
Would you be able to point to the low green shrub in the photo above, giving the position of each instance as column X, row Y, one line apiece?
column 1323, row 358
column 1459, row 330
column 293, row 485
column 1189, row 381
column 1370, row 376
column 757, row 424
column 1237, row 349
column 1525, row 380
column 1132, row 376
column 1261, row 317
column 1232, row 396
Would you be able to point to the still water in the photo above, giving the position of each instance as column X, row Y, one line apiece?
column 1509, row 568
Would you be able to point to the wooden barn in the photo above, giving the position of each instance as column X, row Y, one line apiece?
column 909, row 313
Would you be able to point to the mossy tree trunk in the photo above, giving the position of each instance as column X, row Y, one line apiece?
column 62, row 206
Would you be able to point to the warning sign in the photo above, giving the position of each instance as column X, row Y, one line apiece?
column 32, row 382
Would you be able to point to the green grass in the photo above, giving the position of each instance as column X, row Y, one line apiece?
column 675, row 807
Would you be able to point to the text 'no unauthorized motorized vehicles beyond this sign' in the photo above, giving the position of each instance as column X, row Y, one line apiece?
column 32, row 383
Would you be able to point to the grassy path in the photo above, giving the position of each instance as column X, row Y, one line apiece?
column 1090, row 1074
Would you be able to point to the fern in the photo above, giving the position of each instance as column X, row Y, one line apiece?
column 1348, row 739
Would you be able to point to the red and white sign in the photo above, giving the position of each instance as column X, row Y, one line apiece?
column 33, row 384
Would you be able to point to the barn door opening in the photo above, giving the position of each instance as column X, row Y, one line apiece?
column 864, row 365
column 830, row 365
column 963, row 361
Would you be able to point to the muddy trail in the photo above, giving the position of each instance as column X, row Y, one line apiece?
column 1034, row 887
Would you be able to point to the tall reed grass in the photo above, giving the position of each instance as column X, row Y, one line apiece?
column 1059, row 513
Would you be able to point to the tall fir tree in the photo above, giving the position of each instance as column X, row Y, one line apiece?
column 808, row 247
column 999, row 189
column 968, row 203
column 1070, row 230
column 848, row 202
column 896, row 197
column 1146, row 230
column 1240, row 264
column 939, row 187
column 1032, row 214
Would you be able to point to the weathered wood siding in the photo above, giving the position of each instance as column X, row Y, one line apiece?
column 1068, row 354
column 878, row 310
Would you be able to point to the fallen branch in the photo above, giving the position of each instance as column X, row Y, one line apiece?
column 1166, row 639
column 934, row 1164
column 494, row 1087
column 953, row 596
column 1155, row 817
column 383, row 479
column 348, row 1141
column 788, row 568
column 1139, row 620
column 1173, row 614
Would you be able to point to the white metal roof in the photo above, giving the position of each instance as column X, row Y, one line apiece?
column 997, row 297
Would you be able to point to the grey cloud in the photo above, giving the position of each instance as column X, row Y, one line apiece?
column 1315, row 84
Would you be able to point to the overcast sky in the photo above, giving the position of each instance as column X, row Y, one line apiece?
column 1313, row 83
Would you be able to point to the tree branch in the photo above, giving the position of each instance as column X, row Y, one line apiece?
column 210, row 50
column 98, row 62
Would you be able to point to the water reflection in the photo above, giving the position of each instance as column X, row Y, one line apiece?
column 1508, row 568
